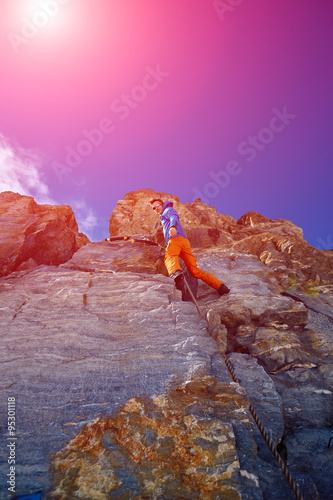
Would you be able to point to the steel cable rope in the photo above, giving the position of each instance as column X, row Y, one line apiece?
column 291, row 481
column 268, row 440
column 256, row 418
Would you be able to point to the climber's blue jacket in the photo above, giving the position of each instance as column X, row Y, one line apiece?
column 169, row 218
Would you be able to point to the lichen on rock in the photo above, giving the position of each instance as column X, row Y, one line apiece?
column 177, row 445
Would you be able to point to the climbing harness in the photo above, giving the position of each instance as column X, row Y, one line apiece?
column 269, row 442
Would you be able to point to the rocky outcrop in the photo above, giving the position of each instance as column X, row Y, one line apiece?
column 122, row 390
column 279, row 244
column 34, row 234
column 133, row 215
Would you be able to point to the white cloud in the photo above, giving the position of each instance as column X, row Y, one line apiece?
column 20, row 172
column 85, row 217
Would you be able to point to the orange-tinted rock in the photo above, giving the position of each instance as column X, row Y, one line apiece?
column 202, row 224
column 280, row 245
column 34, row 234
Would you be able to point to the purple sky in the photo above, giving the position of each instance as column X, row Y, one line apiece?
column 227, row 100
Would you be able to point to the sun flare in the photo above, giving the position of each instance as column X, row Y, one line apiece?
column 33, row 19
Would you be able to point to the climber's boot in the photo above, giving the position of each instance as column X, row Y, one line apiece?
column 180, row 285
column 223, row 290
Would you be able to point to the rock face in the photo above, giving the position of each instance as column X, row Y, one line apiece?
column 34, row 234
column 122, row 391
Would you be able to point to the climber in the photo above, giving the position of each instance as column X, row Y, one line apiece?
column 179, row 246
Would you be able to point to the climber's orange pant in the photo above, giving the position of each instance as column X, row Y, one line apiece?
column 180, row 247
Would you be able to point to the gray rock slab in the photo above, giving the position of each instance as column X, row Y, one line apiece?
column 261, row 392
column 75, row 345
column 245, row 310
column 311, row 460
column 267, row 403
column 322, row 303
column 243, row 274
column 118, row 256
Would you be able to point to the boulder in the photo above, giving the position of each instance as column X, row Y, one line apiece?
column 34, row 234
